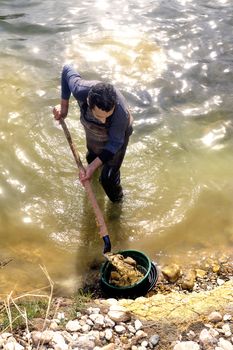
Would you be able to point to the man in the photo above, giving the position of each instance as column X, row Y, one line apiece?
column 107, row 123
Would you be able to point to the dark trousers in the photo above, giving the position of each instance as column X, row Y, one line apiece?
column 110, row 178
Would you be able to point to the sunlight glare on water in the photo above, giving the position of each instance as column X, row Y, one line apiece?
column 125, row 53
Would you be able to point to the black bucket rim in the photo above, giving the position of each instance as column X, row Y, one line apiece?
column 155, row 271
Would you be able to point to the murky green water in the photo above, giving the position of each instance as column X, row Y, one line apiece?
column 173, row 62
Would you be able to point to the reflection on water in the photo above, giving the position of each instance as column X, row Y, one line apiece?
column 132, row 58
column 173, row 62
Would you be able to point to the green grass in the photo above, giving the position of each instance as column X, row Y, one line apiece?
column 81, row 298
column 31, row 308
column 37, row 308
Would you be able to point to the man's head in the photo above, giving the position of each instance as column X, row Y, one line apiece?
column 102, row 100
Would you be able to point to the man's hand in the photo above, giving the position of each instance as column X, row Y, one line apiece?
column 61, row 111
column 57, row 112
column 86, row 174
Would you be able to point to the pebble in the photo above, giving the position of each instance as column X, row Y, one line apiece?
column 13, row 346
column 215, row 317
column 108, row 334
column 59, row 340
column 227, row 317
column 154, row 339
column 73, row 326
column 225, row 344
column 220, row 281
column 187, row 345
column 138, row 325
column 120, row 329
column 206, row 338
column 119, row 316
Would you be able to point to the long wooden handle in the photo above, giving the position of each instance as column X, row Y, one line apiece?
column 98, row 213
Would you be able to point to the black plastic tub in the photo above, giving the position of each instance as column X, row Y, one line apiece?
column 140, row 288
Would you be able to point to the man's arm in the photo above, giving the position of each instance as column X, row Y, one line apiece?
column 69, row 84
column 90, row 169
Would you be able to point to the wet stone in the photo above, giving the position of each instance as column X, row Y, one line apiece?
column 154, row 339
column 171, row 272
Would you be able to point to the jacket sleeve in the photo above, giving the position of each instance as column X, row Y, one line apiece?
column 72, row 83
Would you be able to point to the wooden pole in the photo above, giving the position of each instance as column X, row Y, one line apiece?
column 87, row 185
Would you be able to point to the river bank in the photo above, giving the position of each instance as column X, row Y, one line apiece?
column 169, row 317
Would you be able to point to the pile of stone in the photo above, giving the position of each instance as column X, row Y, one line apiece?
column 112, row 329
column 216, row 335
column 203, row 276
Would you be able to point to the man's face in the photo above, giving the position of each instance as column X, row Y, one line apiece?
column 101, row 115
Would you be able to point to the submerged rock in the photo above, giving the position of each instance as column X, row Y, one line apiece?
column 171, row 272
column 188, row 280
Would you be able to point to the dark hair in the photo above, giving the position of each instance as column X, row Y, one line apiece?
column 103, row 96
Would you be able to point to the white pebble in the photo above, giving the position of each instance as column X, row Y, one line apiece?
column 187, row 345
column 89, row 322
column 108, row 334
column 60, row 315
column 86, row 328
column 117, row 307
column 6, row 335
column 131, row 329
column 227, row 330
column 227, row 317
column 112, row 301
column 138, row 325
column 144, row 343
column 214, row 332
column 215, row 317
column 59, row 340
column 13, row 346
column 119, row 316
column 220, row 282
column 102, row 335
column 225, row 344
column 108, row 322
column 93, row 310
column 73, row 326
column 120, row 329
column 110, row 346
column 95, row 335
column 53, row 326
column 140, row 334
column 42, row 337
column 84, row 342
column 206, row 338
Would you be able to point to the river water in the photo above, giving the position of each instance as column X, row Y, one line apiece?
column 173, row 62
